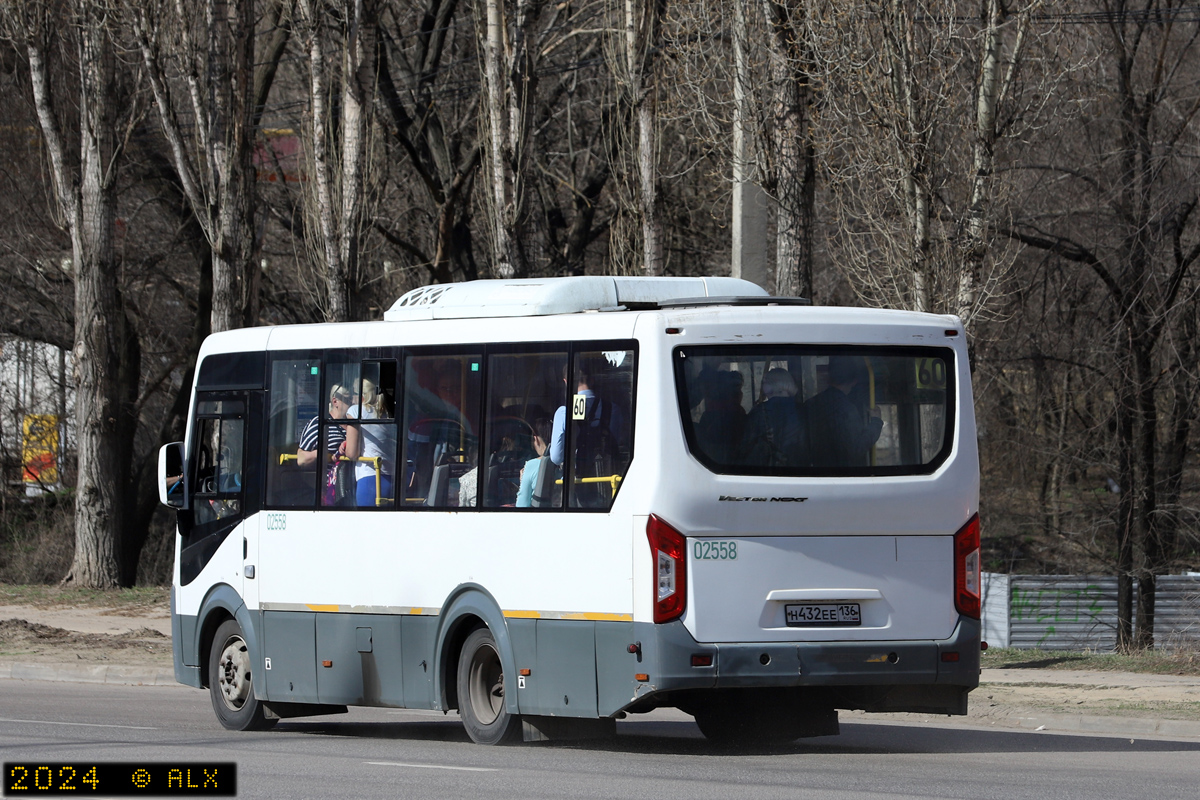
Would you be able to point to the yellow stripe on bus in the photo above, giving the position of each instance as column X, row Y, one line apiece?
column 593, row 616
column 323, row 607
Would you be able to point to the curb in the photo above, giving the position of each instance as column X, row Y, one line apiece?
column 112, row 674
column 1110, row 726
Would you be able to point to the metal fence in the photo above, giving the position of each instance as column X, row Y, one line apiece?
column 1071, row 612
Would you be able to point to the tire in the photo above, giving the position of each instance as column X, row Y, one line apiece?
column 230, row 682
column 481, row 692
column 756, row 724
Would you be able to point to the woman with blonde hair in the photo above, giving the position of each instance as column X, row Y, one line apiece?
column 370, row 441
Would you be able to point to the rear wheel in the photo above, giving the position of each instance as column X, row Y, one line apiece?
column 481, row 692
column 230, row 683
column 757, row 723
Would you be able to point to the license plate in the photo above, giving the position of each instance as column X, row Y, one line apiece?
column 816, row 614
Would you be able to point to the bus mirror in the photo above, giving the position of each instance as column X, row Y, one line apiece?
column 172, row 485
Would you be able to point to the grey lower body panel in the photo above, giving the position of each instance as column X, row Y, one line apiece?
column 183, row 630
column 924, row 675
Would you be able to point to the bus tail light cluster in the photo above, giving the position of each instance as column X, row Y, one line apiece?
column 668, row 547
column 966, row 569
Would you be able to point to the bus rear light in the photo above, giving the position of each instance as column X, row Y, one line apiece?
column 966, row 569
column 950, row 656
column 702, row 659
column 668, row 548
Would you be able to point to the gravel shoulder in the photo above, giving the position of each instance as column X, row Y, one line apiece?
column 139, row 636
column 64, row 635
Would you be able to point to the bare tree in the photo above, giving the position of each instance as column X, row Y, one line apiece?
column 1123, row 207
column 434, row 128
column 85, row 199
column 642, row 42
column 508, row 45
column 792, row 171
column 206, row 52
column 339, row 171
column 912, row 177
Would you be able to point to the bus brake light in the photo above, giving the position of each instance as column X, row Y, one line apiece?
column 668, row 547
column 966, row 569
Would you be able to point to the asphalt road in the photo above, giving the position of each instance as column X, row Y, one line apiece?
column 375, row 753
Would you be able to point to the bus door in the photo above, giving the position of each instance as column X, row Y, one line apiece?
column 218, row 465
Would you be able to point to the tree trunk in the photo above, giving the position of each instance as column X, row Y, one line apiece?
column 87, row 200
column 358, row 90
column 642, row 24
column 794, row 155
column 987, row 97
column 339, row 199
column 235, row 246
column 510, row 82
column 215, row 159
column 1125, row 413
column 1152, row 547
column 336, row 296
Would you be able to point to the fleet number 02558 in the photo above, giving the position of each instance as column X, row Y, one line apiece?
column 714, row 551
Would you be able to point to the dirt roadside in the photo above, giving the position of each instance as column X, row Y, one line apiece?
column 138, row 635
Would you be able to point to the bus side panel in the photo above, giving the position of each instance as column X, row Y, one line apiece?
column 360, row 660
column 565, row 675
column 523, row 635
column 418, row 637
column 616, row 667
column 289, row 639
column 183, row 629
column 224, row 568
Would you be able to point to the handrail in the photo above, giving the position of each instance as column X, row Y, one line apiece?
column 374, row 461
column 377, row 463
column 610, row 479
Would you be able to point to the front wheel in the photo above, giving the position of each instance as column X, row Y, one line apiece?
column 229, row 682
column 481, row 692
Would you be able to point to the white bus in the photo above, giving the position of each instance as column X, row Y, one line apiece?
column 552, row 503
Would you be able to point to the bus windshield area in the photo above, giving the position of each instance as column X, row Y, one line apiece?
column 799, row 410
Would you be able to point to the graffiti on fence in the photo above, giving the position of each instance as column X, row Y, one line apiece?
column 1057, row 605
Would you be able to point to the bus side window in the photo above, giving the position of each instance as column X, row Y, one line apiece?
column 438, row 434
column 293, row 441
column 601, row 414
column 370, row 429
column 524, row 389
column 219, row 469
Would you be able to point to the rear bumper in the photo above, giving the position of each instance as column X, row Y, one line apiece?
column 881, row 675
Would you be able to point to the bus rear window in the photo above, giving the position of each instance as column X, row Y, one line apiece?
column 817, row 410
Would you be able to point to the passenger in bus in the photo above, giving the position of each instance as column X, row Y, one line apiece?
column 468, row 482
column 370, row 441
column 604, row 416
column 543, row 428
column 722, row 425
column 310, row 442
column 775, row 433
column 841, row 430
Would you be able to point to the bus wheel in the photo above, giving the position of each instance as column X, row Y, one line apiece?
column 728, row 724
column 481, row 692
column 229, row 682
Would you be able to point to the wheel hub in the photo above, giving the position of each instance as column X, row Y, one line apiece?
column 234, row 674
column 487, row 685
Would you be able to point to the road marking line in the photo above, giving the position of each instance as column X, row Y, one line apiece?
column 80, row 724
column 430, row 766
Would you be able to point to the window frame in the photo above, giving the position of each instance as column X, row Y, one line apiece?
column 400, row 354
column 682, row 352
